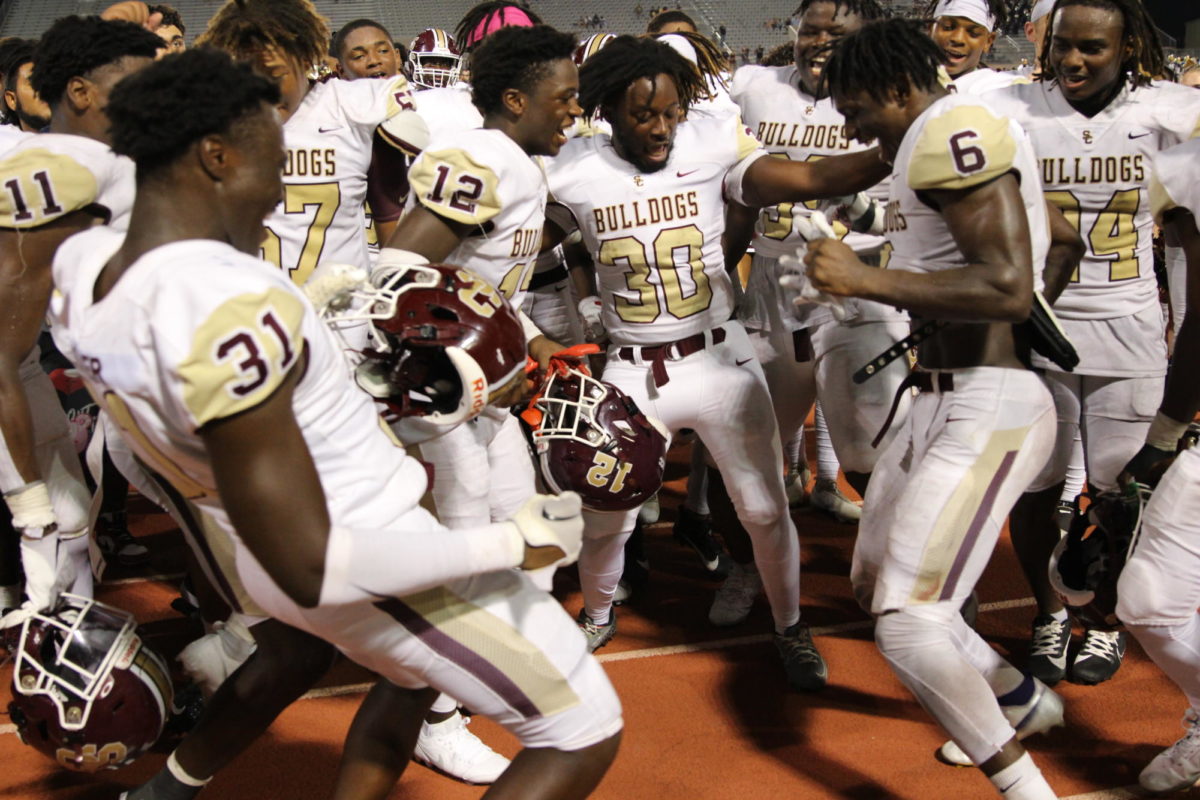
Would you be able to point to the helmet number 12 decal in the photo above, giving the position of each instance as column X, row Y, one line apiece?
column 601, row 473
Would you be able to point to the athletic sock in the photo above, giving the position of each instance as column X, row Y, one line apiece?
column 171, row 783
column 1022, row 780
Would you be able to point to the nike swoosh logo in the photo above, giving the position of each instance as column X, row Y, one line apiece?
column 329, row 130
column 743, row 361
column 685, row 174
column 1140, row 135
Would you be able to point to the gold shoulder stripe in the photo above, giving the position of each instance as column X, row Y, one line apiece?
column 964, row 147
column 38, row 186
column 452, row 183
column 400, row 96
column 746, row 141
column 241, row 353
column 1160, row 199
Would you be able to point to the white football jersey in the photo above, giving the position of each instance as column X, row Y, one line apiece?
column 448, row 110
column 983, row 79
column 1096, row 170
column 10, row 135
column 46, row 176
column 328, row 141
column 481, row 177
column 791, row 124
column 656, row 237
column 195, row 332
column 1175, row 180
column 958, row 142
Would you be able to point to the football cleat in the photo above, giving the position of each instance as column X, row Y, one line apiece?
column 1048, row 650
column 695, row 531
column 116, row 542
column 598, row 634
column 806, row 669
column 1099, row 657
column 736, row 596
column 1041, row 712
column 87, row 691
column 451, row 749
column 1177, row 767
column 827, row 497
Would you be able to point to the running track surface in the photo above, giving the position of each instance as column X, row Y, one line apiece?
column 708, row 713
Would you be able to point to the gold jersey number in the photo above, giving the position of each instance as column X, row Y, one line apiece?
column 298, row 198
column 1113, row 237
column 670, row 292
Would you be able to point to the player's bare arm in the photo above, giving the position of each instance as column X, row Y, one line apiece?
column 25, row 286
column 739, row 231
column 1181, row 400
column 1066, row 251
column 989, row 226
column 770, row 181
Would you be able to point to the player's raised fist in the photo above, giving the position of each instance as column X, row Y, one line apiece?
column 833, row 268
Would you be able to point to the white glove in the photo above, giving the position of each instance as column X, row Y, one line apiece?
column 215, row 656
column 332, row 287
column 589, row 314
column 813, row 225
column 47, row 573
column 864, row 214
column 797, row 281
column 551, row 521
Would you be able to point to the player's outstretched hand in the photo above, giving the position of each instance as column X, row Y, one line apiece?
column 133, row 11
column 552, row 527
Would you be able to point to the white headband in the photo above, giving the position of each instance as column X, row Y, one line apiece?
column 680, row 45
column 1040, row 9
column 975, row 10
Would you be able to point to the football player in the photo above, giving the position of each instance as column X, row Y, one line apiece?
column 434, row 60
column 30, row 111
column 792, row 115
column 965, row 30
column 336, row 132
column 363, row 49
column 56, row 184
column 970, row 232
column 650, row 202
column 170, row 29
column 1096, row 120
column 1158, row 593
column 239, row 374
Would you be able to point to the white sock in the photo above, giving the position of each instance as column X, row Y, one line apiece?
column 827, row 463
column 444, row 704
column 1022, row 780
column 1060, row 615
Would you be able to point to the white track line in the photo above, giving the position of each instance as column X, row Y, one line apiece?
column 8, row 727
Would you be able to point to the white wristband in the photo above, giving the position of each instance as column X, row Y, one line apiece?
column 30, row 506
column 1165, row 432
column 532, row 331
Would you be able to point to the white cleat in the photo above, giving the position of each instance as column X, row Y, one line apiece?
column 1043, row 712
column 736, row 596
column 827, row 497
column 450, row 748
column 650, row 511
column 1177, row 767
column 796, row 486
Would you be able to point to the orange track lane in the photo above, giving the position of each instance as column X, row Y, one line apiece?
column 708, row 713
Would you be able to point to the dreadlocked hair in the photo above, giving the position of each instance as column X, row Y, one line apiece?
column 998, row 8
column 605, row 76
column 1146, row 58
column 74, row 46
column 480, row 15
column 515, row 58
column 710, row 59
column 243, row 28
column 891, row 56
column 867, row 10
column 14, row 54
column 339, row 38
column 159, row 112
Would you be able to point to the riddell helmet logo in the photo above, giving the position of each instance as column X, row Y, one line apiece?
column 477, row 395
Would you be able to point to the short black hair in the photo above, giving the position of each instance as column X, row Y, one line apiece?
column 13, row 56
column 891, row 56
column 515, row 58
column 660, row 21
column 159, row 112
column 74, row 46
column 169, row 15
column 1146, row 59
column 484, row 12
column 627, row 59
column 868, row 10
column 339, row 38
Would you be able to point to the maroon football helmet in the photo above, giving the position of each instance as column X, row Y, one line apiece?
column 87, row 691
column 1087, row 562
column 593, row 439
column 590, row 46
column 434, row 60
column 443, row 341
